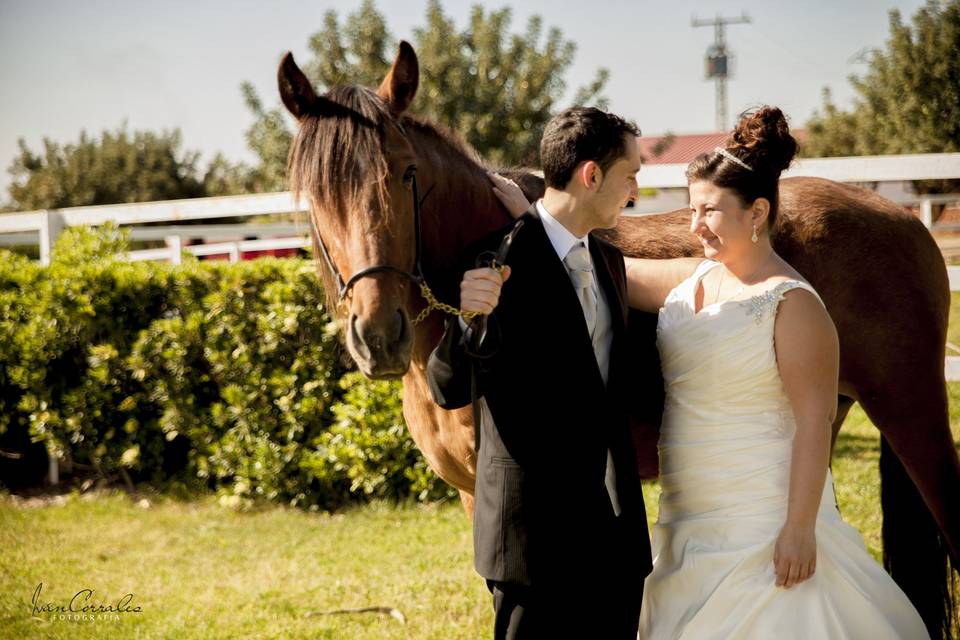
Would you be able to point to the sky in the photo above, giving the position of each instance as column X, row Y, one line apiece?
column 72, row 65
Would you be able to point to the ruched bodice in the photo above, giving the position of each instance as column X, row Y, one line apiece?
column 715, row 359
column 725, row 449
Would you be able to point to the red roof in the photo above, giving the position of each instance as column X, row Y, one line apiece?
column 678, row 148
column 684, row 148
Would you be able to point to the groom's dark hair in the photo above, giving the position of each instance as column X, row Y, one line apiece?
column 579, row 134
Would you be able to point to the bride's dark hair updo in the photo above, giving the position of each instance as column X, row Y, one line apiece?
column 762, row 141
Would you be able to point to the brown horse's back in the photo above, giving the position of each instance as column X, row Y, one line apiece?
column 868, row 258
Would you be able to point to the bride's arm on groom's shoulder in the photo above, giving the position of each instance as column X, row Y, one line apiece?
column 649, row 281
column 808, row 358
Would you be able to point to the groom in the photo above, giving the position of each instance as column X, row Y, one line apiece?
column 559, row 525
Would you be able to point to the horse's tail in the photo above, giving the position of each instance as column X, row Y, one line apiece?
column 914, row 551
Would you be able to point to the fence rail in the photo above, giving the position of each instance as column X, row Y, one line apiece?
column 48, row 224
column 927, row 166
column 174, row 252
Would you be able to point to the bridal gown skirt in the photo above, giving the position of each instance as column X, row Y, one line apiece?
column 725, row 450
column 713, row 578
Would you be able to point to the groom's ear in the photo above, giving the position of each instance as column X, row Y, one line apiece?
column 589, row 175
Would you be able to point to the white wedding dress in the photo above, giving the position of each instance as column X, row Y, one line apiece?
column 725, row 450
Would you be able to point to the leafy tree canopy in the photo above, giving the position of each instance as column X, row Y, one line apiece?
column 117, row 167
column 909, row 99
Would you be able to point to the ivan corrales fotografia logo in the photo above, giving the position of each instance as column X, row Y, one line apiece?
column 82, row 607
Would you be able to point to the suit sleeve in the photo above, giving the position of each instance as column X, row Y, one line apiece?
column 448, row 370
column 449, row 367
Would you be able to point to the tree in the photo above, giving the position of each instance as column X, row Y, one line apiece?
column 909, row 99
column 495, row 89
column 118, row 167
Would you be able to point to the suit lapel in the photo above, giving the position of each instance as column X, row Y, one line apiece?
column 605, row 271
column 553, row 284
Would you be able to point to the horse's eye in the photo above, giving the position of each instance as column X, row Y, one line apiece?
column 409, row 174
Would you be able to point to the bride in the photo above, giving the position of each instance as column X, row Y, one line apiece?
column 749, row 542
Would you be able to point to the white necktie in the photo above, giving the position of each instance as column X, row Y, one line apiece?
column 581, row 274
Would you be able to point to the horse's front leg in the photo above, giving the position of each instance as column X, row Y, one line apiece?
column 444, row 437
column 467, row 500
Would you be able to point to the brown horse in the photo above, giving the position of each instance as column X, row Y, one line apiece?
column 394, row 198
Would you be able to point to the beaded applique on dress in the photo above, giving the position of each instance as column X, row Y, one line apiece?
column 760, row 305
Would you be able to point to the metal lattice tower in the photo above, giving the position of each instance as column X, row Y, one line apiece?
column 717, row 68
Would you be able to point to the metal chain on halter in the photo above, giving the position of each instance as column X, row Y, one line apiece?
column 497, row 262
column 435, row 305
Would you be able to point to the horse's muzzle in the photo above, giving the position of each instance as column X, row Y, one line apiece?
column 381, row 347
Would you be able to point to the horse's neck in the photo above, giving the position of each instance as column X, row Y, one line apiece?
column 460, row 208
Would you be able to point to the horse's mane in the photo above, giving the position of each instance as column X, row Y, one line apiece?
column 459, row 205
column 336, row 157
column 451, row 141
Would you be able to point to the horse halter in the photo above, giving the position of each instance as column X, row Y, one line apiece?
column 416, row 276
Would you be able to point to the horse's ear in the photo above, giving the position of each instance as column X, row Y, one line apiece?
column 295, row 90
column 400, row 85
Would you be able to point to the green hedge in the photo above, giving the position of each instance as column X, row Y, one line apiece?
column 204, row 375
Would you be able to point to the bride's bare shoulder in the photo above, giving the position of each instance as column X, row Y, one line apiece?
column 784, row 272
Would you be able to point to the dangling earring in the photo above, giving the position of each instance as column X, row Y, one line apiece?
column 754, row 237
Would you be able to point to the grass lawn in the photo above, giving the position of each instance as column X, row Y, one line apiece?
column 199, row 571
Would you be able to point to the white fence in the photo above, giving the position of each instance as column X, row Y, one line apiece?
column 670, row 181
column 45, row 226
column 927, row 166
column 173, row 252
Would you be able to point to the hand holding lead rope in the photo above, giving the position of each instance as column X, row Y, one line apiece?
column 479, row 289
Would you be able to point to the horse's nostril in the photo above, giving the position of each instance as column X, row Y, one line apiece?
column 358, row 339
column 400, row 328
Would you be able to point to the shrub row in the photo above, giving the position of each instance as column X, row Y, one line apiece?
column 203, row 375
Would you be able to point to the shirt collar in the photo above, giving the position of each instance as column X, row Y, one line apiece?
column 559, row 236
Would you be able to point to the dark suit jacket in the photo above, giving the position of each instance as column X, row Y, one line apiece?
column 542, row 510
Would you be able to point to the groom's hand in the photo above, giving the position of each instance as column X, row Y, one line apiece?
column 480, row 289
